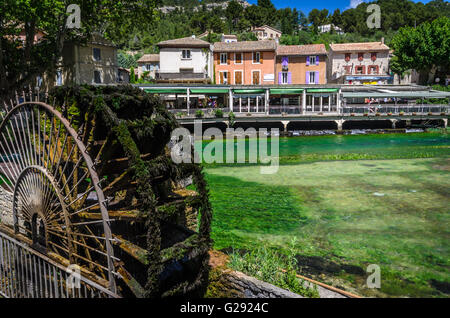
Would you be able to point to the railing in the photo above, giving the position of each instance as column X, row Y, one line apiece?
column 395, row 109
column 26, row 273
column 180, row 75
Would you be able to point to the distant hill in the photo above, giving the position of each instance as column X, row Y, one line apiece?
column 171, row 5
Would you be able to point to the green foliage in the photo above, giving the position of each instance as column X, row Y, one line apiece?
column 20, row 63
column 199, row 114
column 423, row 47
column 132, row 75
column 267, row 265
column 231, row 118
column 218, row 113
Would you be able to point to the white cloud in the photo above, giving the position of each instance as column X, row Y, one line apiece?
column 355, row 3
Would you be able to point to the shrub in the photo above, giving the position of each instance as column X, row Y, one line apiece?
column 218, row 113
column 180, row 114
column 378, row 114
column 231, row 118
column 402, row 113
column 199, row 114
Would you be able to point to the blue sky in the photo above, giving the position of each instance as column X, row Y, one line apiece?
column 307, row 6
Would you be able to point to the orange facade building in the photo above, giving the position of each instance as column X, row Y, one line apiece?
column 301, row 64
column 245, row 63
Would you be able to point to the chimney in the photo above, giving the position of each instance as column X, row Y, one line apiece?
column 382, row 40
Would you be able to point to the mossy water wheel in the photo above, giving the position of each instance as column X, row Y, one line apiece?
column 159, row 231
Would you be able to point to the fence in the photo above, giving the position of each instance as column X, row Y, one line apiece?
column 26, row 273
column 395, row 109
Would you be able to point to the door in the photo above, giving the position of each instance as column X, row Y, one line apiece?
column 238, row 80
column 256, row 76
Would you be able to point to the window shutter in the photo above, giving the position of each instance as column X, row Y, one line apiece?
column 280, row 77
column 228, row 59
column 307, row 77
column 307, row 61
column 364, row 69
column 289, row 78
column 317, row 77
column 317, row 60
column 261, row 57
column 221, row 77
column 144, row 68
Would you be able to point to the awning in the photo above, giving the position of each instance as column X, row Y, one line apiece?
column 405, row 94
column 322, row 90
column 249, row 91
column 166, row 90
column 209, row 91
column 286, row 91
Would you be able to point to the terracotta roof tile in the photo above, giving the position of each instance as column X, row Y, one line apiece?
column 367, row 46
column 184, row 42
column 302, row 49
column 149, row 58
column 246, row 46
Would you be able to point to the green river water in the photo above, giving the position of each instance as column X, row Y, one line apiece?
column 347, row 202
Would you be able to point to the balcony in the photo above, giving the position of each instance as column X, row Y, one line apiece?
column 182, row 77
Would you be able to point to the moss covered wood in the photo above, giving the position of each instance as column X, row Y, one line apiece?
column 127, row 131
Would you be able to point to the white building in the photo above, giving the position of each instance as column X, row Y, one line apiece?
column 229, row 38
column 328, row 27
column 359, row 63
column 267, row 33
column 185, row 60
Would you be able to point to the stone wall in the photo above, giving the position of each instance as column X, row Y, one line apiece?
column 226, row 283
column 5, row 207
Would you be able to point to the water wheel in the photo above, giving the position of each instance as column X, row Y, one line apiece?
column 93, row 184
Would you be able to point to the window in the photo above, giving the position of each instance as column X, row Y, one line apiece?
column 97, row 54
column 256, row 77
column 148, row 67
column 312, row 60
column 238, row 58
column 359, row 69
column 223, row 58
column 284, row 78
column 312, row 77
column 373, row 69
column 223, row 78
column 256, row 57
column 347, row 57
column 186, row 54
column 360, row 56
column 97, row 77
column 373, row 56
column 347, row 69
column 238, row 77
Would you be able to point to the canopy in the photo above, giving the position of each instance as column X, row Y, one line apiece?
column 286, row 91
column 166, row 90
column 405, row 94
column 209, row 90
column 249, row 91
column 322, row 90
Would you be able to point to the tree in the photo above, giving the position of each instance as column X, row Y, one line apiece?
column 22, row 61
column 318, row 17
column 423, row 48
column 234, row 13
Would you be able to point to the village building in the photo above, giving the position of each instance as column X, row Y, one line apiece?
column 359, row 63
column 267, row 33
column 301, row 64
column 328, row 28
column 185, row 60
column 229, row 38
column 148, row 65
column 245, row 63
column 91, row 63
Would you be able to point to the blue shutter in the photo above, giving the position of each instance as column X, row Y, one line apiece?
column 289, row 77
column 317, row 60
column 307, row 77
column 280, row 77
column 307, row 61
column 317, row 77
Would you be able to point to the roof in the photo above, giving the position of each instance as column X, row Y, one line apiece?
column 146, row 58
column 360, row 47
column 266, row 26
column 184, row 42
column 245, row 46
column 229, row 36
column 302, row 49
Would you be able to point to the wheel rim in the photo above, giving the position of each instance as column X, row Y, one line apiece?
column 53, row 180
